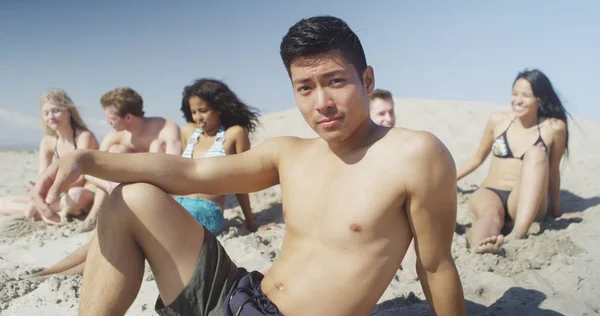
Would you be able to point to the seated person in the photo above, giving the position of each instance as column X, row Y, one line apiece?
column 349, row 217
column 381, row 105
column 523, row 182
column 65, row 132
column 218, row 124
column 132, row 132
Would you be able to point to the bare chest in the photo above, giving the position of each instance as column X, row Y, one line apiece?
column 337, row 204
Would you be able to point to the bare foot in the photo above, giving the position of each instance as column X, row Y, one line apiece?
column 87, row 225
column 571, row 214
column 490, row 244
column 269, row 226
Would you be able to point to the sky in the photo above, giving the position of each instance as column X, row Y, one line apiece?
column 439, row 50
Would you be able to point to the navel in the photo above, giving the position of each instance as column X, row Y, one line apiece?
column 279, row 285
column 355, row 228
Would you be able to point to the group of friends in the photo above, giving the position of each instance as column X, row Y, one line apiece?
column 356, row 198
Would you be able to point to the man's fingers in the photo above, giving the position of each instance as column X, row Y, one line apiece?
column 59, row 185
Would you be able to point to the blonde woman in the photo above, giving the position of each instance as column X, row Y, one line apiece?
column 65, row 131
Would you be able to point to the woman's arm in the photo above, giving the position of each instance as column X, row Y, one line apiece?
column 557, row 149
column 478, row 157
column 242, row 144
column 46, row 153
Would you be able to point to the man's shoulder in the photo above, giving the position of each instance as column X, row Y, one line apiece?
column 162, row 126
column 417, row 150
column 413, row 142
column 285, row 142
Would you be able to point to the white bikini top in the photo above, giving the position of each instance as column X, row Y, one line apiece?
column 217, row 149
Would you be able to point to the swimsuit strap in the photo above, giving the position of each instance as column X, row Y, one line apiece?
column 220, row 136
column 189, row 148
column 510, row 124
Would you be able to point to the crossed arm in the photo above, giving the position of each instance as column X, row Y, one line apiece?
column 431, row 211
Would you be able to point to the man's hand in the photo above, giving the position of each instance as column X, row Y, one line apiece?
column 55, row 180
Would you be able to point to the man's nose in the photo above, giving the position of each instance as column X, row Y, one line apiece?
column 324, row 102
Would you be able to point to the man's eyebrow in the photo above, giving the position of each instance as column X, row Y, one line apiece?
column 329, row 74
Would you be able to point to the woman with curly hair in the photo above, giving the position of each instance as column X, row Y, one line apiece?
column 218, row 124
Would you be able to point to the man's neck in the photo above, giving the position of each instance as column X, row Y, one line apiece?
column 137, row 126
column 359, row 138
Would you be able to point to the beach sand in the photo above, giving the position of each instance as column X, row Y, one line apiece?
column 553, row 272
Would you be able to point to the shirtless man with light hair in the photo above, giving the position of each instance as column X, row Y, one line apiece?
column 382, row 108
column 349, row 216
column 132, row 133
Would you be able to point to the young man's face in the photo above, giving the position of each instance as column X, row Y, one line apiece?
column 118, row 123
column 330, row 94
column 382, row 112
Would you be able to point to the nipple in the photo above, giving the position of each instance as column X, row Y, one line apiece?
column 355, row 228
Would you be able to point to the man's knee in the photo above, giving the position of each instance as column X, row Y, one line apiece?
column 536, row 155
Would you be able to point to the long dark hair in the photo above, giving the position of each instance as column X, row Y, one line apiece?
column 218, row 95
column 550, row 104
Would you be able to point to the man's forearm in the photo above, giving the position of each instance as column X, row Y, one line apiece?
column 443, row 289
column 168, row 172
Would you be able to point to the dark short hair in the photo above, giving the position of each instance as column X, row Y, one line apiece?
column 320, row 35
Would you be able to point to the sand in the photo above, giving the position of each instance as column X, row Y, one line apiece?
column 553, row 272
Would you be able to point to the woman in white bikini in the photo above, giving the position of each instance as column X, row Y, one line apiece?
column 219, row 124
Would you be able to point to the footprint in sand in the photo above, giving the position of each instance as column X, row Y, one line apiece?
column 19, row 227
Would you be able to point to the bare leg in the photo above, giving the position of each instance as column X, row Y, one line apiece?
column 15, row 205
column 484, row 236
column 527, row 201
column 74, row 260
column 90, row 221
column 137, row 222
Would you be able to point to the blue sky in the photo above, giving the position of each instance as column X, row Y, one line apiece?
column 444, row 50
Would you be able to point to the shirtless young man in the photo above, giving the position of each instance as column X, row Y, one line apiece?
column 133, row 133
column 382, row 108
column 349, row 216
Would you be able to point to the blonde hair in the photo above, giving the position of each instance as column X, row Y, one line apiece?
column 62, row 100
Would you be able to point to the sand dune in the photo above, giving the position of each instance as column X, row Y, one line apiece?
column 553, row 272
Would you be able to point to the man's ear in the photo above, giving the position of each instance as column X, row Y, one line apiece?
column 369, row 79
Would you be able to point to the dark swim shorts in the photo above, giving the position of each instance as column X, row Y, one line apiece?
column 219, row 288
